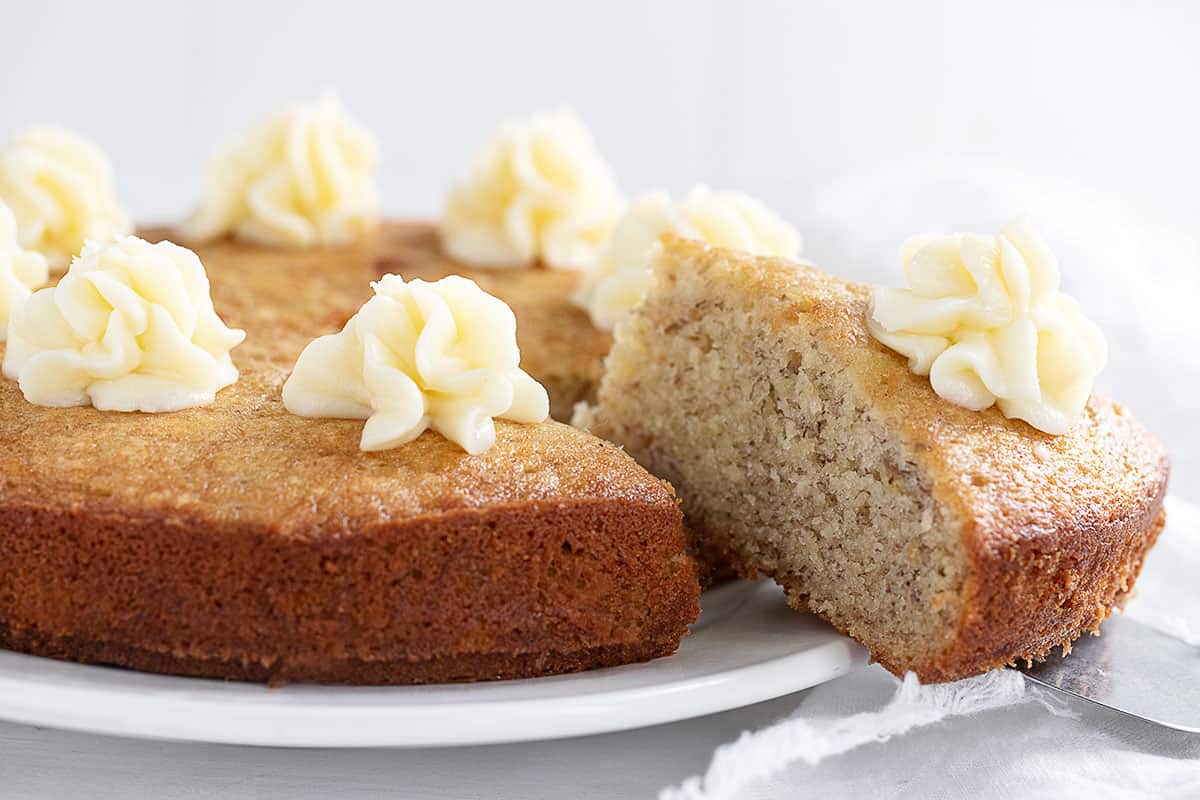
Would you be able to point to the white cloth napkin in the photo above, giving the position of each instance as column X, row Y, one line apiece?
column 985, row 736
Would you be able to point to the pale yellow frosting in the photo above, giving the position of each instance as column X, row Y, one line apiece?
column 130, row 327
column 303, row 177
column 21, row 270
column 985, row 320
column 538, row 192
column 418, row 356
column 60, row 189
column 730, row 220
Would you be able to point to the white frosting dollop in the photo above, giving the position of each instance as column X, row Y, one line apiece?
column 21, row 270
column 985, row 320
column 539, row 191
column 60, row 189
column 302, row 177
column 130, row 327
column 417, row 356
column 730, row 220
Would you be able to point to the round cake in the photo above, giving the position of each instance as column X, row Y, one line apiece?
column 240, row 541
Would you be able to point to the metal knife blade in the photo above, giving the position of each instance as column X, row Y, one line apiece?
column 1131, row 668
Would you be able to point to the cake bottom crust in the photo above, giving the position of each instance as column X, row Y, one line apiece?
column 510, row 592
column 462, row 668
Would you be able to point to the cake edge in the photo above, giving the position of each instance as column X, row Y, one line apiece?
column 97, row 619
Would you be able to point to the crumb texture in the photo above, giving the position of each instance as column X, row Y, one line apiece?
column 947, row 541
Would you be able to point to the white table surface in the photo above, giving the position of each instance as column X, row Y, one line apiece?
column 45, row 763
column 38, row 762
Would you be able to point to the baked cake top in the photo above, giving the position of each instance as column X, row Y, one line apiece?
column 245, row 459
column 1008, row 477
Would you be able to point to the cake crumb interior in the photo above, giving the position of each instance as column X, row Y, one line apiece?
column 728, row 394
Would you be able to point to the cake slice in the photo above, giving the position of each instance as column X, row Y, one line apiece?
column 948, row 541
column 239, row 541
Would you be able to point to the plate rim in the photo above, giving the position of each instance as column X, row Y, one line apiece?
column 673, row 700
column 171, row 708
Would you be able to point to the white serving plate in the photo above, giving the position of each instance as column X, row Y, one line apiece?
column 747, row 647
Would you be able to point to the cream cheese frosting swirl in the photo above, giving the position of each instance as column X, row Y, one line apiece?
column 984, row 318
column 732, row 220
column 539, row 191
column 418, row 356
column 130, row 327
column 21, row 270
column 60, row 189
column 302, row 177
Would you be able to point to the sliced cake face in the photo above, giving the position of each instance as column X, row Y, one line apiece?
column 948, row 541
column 241, row 541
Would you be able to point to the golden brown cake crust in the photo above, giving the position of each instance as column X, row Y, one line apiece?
column 1055, row 527
column 240, row 541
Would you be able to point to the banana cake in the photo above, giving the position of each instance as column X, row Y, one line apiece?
column 239, row 541
column 949, row 541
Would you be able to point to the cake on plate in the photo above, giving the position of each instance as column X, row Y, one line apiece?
column 371, row 488
column 368, row 490
column 948, row 540
column 237, row 540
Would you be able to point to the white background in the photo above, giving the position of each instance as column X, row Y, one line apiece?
column 862, row 122
column 772, row 97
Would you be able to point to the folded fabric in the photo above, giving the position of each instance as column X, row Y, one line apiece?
column 993, row 734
